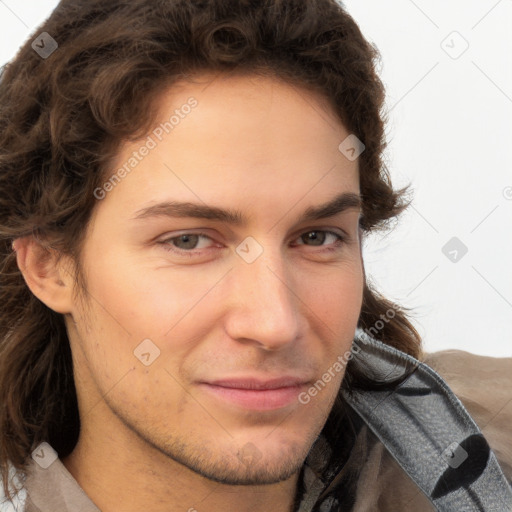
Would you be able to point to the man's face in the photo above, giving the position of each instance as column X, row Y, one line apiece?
column 240, row 320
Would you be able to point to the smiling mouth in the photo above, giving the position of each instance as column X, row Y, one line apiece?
column 254, row 394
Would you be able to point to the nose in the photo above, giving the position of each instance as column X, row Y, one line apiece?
column 262, row 304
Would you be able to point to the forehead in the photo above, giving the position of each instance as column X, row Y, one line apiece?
column 250, row 101
column 243, row 139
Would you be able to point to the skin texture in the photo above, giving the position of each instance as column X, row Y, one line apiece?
column 153, row 438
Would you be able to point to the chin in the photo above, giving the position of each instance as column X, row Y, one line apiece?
column 266, row 470
column 263, row 462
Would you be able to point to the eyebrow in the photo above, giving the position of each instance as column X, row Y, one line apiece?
column 339, row 204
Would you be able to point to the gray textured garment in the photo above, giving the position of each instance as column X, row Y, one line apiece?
column 416, row 448
column 428, row 433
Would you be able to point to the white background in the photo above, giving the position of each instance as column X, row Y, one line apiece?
column 450, row 136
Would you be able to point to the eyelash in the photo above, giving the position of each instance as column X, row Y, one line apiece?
column 166, row 243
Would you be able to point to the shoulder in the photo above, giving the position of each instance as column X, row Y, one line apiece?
column 484, row 385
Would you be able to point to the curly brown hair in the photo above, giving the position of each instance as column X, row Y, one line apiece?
column 63, row 118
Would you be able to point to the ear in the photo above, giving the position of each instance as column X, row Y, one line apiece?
column 48, row 277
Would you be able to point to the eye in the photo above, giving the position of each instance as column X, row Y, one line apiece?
column 194, row 244
column 186, row 242
column 317, row 237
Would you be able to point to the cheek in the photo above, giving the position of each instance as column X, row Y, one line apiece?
column 337, row 296
column 143, row 301
column 131, row 303
column 135, row 298
column 337, row 307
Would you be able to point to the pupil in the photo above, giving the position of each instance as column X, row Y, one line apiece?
column 314, row 236
column 189, row 241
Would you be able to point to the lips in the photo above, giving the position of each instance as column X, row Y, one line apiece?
column 256, row 394
column 259, row 384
